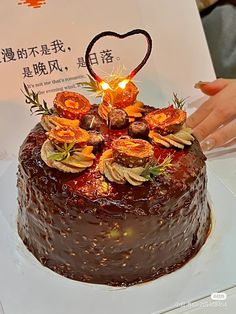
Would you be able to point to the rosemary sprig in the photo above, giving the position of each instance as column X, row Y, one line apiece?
column 91, row 86
column 179, row 103
column 36, row 107
column 152, row 170
column 63, row 153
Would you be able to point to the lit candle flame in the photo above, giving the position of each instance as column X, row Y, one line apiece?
column 123, row 83
column 105, row 85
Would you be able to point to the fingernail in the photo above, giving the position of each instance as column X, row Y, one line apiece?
column 200, row 84
column 208, row 144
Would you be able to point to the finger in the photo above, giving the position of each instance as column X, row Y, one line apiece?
column 223, row 102
column 212, row 88
column 220, row 136
column 214, row 120
column 200, row 114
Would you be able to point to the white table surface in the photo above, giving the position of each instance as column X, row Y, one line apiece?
column 208, row 306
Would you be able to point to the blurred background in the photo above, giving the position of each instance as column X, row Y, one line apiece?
column 219, row 23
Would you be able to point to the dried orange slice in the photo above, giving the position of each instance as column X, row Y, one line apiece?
column 49, row 122
column 132, row 152
column 71, row 105
column 166, row 120
column 103, row 110
column 107, row 155
column 62, row 135
column 57, row 121
column 135, row 110
column 118, row 97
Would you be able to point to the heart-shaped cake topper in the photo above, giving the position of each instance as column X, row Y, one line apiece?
column 120, row 36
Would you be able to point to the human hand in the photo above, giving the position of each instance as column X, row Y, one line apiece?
column 214, row 123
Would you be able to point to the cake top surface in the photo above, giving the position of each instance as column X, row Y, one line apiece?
column 120, row 153
column 91, row 184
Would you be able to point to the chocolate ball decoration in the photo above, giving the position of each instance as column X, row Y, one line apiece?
column 117, row 119
column 95, row 139
column 90, row 122
column 138, row 129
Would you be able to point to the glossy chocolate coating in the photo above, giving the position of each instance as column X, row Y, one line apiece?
column 88, row 229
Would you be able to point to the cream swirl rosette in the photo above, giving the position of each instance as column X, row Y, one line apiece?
column 66, row 150
column 76, row 161
column 179, row 139
column 130, row 167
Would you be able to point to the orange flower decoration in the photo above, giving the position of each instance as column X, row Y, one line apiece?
column 166, row 120
column 61, row 135
column 71, row 105
column 119, row 97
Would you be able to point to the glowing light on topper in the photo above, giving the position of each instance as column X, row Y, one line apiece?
column 105, row 85
column 123, row 83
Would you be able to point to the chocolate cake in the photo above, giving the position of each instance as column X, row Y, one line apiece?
column 113, row 193
column 89, row 229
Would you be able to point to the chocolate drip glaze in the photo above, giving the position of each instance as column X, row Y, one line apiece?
column 88, row 229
